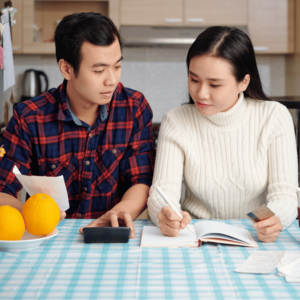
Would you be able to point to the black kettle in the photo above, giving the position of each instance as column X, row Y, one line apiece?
column 32, row 85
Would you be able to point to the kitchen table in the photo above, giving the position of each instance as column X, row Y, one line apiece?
column 66, row 268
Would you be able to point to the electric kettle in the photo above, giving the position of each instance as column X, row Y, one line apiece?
column 32, row 84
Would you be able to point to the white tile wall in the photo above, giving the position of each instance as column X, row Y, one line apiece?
column 158, row 72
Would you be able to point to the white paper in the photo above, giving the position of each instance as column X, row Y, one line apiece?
column 152, row 237
column 52, row 186
column 261, row 262
column 292, row 279
column 291, row 269
column 289, row 257
column 206, row 229
column 8, row 60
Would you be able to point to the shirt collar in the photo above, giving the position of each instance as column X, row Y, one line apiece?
column 65, row 113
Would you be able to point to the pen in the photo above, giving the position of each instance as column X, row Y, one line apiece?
column 298, row 194
column 172, row 206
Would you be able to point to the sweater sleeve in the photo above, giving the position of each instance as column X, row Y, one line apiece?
column 283, row 167
column 168, row 169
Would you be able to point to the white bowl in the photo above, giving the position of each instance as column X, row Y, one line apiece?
column 27, row 242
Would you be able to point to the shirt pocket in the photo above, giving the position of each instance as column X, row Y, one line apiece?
column 68, row 169
column 106, row 172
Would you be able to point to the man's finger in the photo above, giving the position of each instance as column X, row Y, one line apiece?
column 114, row 220
column 170, row 213
column 128, row 222
column 62, row 215
column 94, row 223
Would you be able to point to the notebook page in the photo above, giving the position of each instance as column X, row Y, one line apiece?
column 205, row 228
column 152, row 237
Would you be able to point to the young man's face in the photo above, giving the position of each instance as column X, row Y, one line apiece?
column 99, row 73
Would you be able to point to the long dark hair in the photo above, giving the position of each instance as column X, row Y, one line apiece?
column 235, row 46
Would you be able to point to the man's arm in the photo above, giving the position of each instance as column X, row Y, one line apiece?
column 134, row 200
column 132, row 204
column 6, row 199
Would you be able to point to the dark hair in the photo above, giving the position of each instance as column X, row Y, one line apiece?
column 235, row 46
column 77, row 28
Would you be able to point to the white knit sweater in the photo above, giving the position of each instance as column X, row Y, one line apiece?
column 232, row 162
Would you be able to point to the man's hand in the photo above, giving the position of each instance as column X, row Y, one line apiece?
column 115, row 219
column 170, row 223
column 62, row 215
column 268, row 230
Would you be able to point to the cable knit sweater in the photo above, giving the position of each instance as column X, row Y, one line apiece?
column 232, row 162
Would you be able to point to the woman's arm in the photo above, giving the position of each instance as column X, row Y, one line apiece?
column 283, row 174
column 168, row 169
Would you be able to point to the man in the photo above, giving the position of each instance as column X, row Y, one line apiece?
column 91, row 130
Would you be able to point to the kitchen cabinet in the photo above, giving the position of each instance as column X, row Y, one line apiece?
column 271, row 25
column 37, row 20
column 152, row 12
column 215, row 12
column 183, row 12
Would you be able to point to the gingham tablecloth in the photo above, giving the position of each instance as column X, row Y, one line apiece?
column 65, row 268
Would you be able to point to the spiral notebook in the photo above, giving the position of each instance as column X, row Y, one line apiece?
column 205, row 231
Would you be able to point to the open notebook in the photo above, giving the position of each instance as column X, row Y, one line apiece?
column 205, row 231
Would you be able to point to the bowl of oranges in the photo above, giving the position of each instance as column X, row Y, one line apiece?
column 26, row 230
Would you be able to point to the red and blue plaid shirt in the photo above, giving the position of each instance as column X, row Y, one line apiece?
column 99, row 163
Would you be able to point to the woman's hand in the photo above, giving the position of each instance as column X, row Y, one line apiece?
column 268, row 230
column 170, row 223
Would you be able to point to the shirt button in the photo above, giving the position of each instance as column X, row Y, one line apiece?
column 53, row 167
column 90, row 136
column 78, row 215
column 87, row 163
column 85, row 189
column 114, row 151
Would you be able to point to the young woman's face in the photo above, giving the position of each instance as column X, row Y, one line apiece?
column 212, row 85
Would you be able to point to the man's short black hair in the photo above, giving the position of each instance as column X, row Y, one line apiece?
column 77, row 28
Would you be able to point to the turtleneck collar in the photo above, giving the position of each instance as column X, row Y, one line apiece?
column 230, row 118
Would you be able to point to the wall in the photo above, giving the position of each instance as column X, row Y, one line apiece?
column 158, row 72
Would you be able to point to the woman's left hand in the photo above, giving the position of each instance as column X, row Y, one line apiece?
column 268, row 230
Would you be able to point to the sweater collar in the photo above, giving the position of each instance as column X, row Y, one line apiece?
column 231, row 117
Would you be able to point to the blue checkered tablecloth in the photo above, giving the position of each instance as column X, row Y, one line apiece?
column 66, row 268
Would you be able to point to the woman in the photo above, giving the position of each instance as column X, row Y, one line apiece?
column 234, row 149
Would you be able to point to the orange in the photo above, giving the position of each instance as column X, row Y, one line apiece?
column 12, row 224
column 41, row 214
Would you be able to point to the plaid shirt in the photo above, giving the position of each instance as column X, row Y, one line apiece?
column 99, row 163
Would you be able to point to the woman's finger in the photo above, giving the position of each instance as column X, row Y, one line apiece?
column 186, row 219
column 269, row 229
column 268, row 222
column 167, row 230
column 170, row 213
column 267, row 238
column 174, row 224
